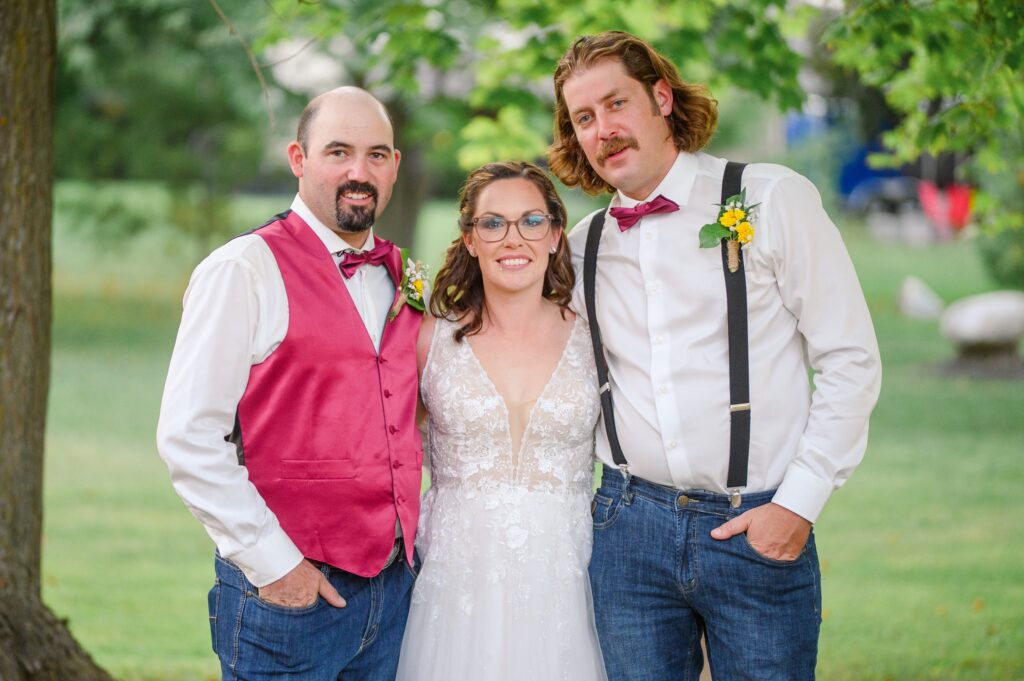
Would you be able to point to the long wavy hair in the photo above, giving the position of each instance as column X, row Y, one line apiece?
column 692, row 121
column 459, row 288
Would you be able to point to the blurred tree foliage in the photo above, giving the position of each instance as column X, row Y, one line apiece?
column 162, row 89
column 470, row 82
column 491, row 62
column 954, row 70
column 157, row 90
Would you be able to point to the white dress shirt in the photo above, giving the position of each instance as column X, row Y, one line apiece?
column 661, row 306
column 235, row 315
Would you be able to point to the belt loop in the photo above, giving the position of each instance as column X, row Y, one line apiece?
column 627, row 489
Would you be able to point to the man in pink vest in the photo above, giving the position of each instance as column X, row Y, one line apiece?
column 288, row 421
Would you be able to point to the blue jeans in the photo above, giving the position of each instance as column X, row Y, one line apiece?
column 360, row 642
column 660, row 581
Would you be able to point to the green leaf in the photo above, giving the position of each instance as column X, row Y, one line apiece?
column 711, row 235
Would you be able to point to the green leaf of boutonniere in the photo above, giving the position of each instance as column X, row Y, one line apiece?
column 412, row 288
column 711, row 235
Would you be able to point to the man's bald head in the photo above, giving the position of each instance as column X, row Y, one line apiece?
column 342, row 96
column 345, row 160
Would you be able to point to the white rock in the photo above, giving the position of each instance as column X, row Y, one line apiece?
column 996, row 317
column 917, row 301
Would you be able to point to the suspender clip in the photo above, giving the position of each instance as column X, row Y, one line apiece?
column 735, row 499
column 743, row 406
column 605, row 387
column 624, row 469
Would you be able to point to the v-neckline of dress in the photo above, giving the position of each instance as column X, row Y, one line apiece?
column 504, row 405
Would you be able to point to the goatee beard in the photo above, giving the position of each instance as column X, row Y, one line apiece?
column 355, row 219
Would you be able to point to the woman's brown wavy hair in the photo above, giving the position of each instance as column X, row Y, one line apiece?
column 459, row 288
column 692, row 121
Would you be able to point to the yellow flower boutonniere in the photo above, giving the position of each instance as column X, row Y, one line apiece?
column 735, row 225
column 412, row 289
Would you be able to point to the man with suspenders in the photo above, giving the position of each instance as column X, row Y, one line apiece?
column 718, row 452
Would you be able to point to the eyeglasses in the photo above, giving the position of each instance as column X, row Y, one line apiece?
column 532, row 227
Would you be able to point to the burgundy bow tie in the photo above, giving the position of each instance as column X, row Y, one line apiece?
column 353, row 260
column 627, row 217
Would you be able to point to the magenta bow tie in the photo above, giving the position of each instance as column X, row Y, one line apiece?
column 353, row 260
column 627, row 217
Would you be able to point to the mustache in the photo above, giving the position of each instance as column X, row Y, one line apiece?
column 362, row 187
column 614, row 146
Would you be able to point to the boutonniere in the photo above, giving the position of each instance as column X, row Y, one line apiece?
column 735, row 225
column 411, row 290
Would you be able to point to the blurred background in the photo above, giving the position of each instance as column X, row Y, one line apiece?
column 172, row 122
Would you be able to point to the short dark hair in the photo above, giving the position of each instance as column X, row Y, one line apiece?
column 305, row 121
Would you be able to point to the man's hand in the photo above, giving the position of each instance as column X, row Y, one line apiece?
column 774, row 532
column 299, row 588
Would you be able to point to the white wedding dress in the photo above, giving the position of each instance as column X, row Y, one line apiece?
column 505, row 537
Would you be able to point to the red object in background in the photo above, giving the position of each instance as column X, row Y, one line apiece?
column 949, row 209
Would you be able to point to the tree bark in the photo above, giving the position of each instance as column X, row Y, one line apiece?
column 398, row 221
column 34, row 644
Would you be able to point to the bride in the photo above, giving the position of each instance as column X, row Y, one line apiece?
column 508, row 381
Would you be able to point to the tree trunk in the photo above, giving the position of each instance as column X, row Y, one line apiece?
column 398, row 221
column 34, row 645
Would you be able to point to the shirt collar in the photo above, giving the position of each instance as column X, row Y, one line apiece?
column 676, row 185
column 332, row 242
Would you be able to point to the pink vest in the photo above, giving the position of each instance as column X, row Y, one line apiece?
column 328, row 426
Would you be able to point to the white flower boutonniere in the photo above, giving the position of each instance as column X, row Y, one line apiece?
column 735, row 225
column 412, row 289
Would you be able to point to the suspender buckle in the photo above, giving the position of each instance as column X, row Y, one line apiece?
column 605, row 387
column 743, row 406
column 735, row 499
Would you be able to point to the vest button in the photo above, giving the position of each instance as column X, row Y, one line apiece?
column 387, row 393
column 392, row 430
column 396, row 465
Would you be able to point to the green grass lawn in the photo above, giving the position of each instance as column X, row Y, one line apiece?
column 921, row 551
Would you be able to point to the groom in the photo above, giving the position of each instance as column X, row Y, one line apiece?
column 288, row 417
column 718, row 453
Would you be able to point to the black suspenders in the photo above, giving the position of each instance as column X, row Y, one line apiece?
column 739, row 373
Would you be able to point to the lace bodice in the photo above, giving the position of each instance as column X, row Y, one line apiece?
column 469, row 435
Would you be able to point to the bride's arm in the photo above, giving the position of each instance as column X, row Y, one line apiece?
column 422, row 349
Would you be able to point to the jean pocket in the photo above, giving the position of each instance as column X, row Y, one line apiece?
column 745, row 543
column 285, row 609
column 605, row 510
column 213, row 603
column 415, row 567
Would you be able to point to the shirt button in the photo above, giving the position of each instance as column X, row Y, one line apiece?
column 672, row 444
column 663, row 389
column 648, row 236
column 659, row 339
column 652, row 287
